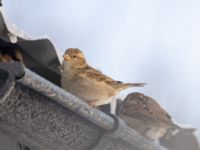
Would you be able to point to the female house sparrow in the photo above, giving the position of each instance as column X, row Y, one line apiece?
column 145, row 115
column 87, row 83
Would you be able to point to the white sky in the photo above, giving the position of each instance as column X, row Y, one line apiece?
column 152, row 41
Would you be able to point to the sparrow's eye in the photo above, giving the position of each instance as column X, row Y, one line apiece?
column 74, row 56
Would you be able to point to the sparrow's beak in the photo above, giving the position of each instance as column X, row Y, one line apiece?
column 66, row 57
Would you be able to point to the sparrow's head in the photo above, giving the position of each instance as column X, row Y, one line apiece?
column 137, row 102
column 133, row 103
column 74, row 57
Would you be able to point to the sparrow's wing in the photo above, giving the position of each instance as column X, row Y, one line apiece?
column 147, row 118
column 96, row 75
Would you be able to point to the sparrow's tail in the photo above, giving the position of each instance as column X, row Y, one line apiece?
column 134, row 84
column 122, row 86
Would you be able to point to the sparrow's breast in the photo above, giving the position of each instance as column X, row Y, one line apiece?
column 86, row 89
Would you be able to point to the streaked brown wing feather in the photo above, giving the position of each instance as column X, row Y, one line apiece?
column 96, row 75
column 93, row 74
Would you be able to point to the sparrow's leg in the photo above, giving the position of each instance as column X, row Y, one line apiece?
column 113, row 105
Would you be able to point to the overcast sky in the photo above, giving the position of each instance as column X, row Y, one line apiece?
column 151, row 41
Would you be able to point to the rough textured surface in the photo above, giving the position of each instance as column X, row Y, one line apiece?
column 8, row 74
column 7, row 142
column 37, row 116
column 3, row 78
column 113, row 144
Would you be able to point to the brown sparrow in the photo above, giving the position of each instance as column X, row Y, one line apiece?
column 9, row 52
column 87, row 83
column 145, row 115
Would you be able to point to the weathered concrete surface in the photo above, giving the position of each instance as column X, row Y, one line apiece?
column 39, row 121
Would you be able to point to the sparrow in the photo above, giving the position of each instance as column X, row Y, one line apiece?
column 87, row 83
column 145, row 115
column 6, row 57
column 9, row 52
